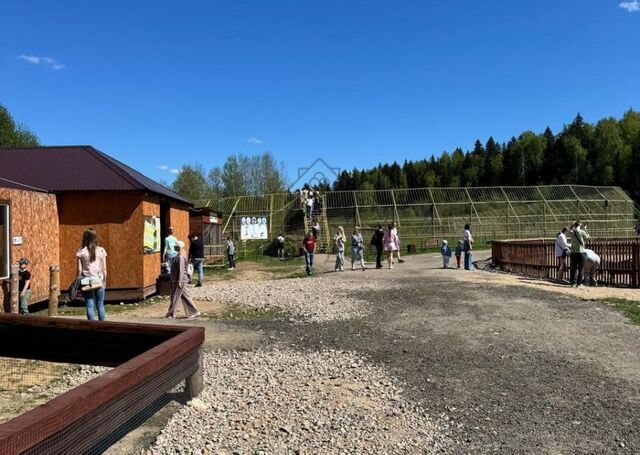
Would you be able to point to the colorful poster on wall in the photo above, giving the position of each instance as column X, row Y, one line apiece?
column 253, row 228
column 151, row 235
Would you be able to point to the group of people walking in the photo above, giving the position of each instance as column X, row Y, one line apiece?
column 310, row 200
column 383, row 241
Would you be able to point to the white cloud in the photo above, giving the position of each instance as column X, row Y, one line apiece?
column 164, row 167
column 44, row 61
column 632, row 7
column 174, row 171
column 254, row 140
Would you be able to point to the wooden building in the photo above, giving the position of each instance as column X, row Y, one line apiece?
column 130, row 212
column 206, row 224
column 28, row 228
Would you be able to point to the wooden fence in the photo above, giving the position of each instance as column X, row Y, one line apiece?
column 620, row 259
column 148, row 360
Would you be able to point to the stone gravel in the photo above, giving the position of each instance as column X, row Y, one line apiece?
column 327, row 297
column 282, row 401
column 74, row 376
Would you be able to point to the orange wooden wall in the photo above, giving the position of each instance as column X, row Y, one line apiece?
column 117, row 218
column 34, row 216
column 179, row 220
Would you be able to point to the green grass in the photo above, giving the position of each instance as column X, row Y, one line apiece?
column 79, row 309
column 630, row 308
column 246, row 314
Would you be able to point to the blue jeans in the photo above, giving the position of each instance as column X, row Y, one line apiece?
column 357, row 253
column 340, row 260
column 467, row 261
column 308, row 259
column 95, row 297
column 169, row 258
column 198, row 264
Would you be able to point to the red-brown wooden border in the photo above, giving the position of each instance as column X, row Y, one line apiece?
column 127, row 388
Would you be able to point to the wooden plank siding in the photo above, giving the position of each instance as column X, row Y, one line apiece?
column 620, row 259
column 33, row 216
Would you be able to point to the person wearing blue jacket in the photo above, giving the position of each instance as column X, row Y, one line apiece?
column 445, row 251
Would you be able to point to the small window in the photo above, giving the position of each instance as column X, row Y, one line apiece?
column 5, row 266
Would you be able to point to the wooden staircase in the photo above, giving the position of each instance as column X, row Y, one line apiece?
column 319, row 215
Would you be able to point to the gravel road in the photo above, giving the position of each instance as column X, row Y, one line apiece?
column 287, row 402
column 478, row 363
column 518, row 368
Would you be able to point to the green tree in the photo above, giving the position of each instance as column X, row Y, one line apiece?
column 13, row 134
column 233, row 178
column 607, row 148
column 191, row 183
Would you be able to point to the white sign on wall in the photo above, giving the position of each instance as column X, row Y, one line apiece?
column 253, row 228
column 17, row 240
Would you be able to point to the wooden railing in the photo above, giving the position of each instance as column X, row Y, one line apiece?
column 620, row 259
column 148, row 360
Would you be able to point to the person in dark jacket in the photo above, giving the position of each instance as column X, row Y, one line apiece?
column 377, row 242
column 196, row 256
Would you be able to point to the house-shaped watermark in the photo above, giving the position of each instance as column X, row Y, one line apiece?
column 317, row 173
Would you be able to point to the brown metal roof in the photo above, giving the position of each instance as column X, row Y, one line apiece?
column 75, row 168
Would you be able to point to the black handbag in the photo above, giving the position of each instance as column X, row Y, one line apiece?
column 73, row 289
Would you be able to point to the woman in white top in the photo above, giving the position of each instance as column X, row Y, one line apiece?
column 562, row 251
column 92, row 270
column 340, row 239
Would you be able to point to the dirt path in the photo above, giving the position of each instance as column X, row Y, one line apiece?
column 520, row 366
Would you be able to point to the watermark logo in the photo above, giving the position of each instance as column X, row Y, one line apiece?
column 319, row 172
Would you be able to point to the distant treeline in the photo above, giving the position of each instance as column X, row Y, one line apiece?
column 607, row 153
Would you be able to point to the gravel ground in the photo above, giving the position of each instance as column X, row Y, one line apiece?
column 74, row 376
column 324, row 297
column 280, row 401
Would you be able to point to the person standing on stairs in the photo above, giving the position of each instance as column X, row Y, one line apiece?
column 309, row 205
column 340, row 239
column 315, row 230
column 357, row 248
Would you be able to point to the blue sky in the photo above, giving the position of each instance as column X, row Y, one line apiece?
column 158, row 83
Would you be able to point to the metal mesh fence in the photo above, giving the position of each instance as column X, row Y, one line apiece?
column 427, row 215
column 129, row 371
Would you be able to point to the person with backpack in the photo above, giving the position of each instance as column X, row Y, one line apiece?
column 578, row 254
column 357, row 248
column 377, row 241
column 339, row 240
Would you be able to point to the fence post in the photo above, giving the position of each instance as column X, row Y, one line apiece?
column 635, row 258
column 194, row 384
column 54, row 289
column 13, row 286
